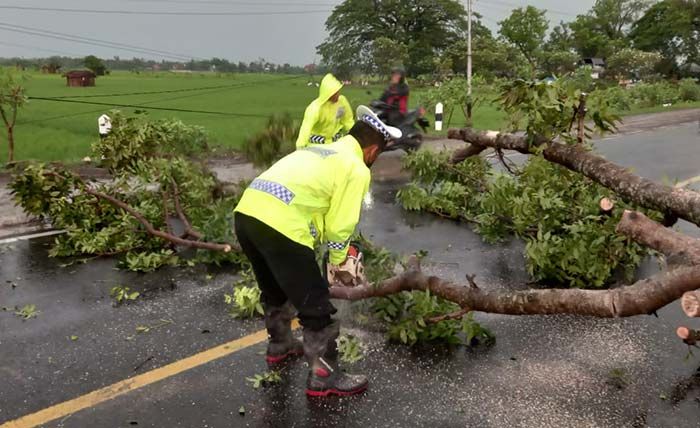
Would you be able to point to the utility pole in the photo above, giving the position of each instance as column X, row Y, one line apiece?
column 469, row 62
column 469, row 47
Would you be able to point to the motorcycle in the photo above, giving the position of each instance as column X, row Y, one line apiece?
column 409, row 124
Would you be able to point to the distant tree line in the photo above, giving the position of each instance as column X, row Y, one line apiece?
column 56, row 64
column 429, row 37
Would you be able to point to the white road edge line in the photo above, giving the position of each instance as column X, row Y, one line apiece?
column 32, row 236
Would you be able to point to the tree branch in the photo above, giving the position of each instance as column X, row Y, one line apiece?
column 155, row 232
column 649, row 233
column 681, row 203
column 643, row 297
column 189, row 230
column 166, row 215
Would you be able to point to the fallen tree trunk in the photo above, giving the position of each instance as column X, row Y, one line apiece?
column 681, row 203
column 643, row 297
column 690, row 302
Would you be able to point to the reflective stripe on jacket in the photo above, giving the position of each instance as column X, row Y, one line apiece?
column 324, row 120
column 313, row 193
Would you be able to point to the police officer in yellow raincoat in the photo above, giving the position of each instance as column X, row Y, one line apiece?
column 312, row 195
column 328, row 117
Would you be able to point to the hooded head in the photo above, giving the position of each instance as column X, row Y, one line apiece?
column 329, row 87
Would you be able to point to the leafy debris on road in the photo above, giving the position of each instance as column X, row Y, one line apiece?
column 350, row 349
column 123, row 294
column 264, row 379
column 146, row 328
column 27, row 312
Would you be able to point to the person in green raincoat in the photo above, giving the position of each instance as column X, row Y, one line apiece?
column 328, row 117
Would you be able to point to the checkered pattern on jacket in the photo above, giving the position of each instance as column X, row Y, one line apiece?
column 317, row 139
column 336, row 245
column 275, row 189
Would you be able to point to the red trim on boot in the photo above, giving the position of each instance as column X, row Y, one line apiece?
column 276, row 359
column 321, row 372
column 333, row 391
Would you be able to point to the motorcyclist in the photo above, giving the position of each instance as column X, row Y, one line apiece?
column 396, row 96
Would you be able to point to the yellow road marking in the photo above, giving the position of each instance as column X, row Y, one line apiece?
column 688, row 182
column 133, row 383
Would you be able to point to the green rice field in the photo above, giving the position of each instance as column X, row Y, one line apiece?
column 64, row 131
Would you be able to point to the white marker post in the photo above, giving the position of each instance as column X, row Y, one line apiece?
column 438, row 117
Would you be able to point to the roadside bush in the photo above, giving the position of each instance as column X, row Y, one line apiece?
column 137, row 138
column 617, row 97
column 453, row 94
column 689, row 89
column 655, row 94
column 276, row 140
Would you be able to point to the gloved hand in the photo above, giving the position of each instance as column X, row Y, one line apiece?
column 350, row 273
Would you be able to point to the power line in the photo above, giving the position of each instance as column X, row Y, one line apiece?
column 161, row 13
column 137, row 106
column 17, row 45
column 91, row 41
column 502, row 5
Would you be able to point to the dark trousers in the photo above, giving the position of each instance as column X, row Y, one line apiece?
column 285, row 270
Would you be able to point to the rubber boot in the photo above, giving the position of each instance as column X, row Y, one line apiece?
column 281, row 343
column 325, row 377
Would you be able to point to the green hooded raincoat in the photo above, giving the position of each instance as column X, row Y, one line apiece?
column 325, row 121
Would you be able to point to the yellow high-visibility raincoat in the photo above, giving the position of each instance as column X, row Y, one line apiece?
column 312, row 194
column 325, row 121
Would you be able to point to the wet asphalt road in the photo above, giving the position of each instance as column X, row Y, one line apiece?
column 543, row 371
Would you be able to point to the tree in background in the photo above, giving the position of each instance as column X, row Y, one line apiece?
column 52, row 65
column 558, row 62
column 602, row 31
column 490, row 57
column 426, row 28
column 558, row 55
column 560, row 39
column 671, row 27
column 12, row 98
column 525, row 28
column 95, row 65
column 387, row 54
column 629, row 62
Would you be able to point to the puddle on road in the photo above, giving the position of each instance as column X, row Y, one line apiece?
column 543, row 370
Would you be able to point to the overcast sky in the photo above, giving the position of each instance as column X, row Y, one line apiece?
column 278, row 38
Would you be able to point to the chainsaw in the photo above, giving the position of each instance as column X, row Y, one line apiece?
column 351, row 273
